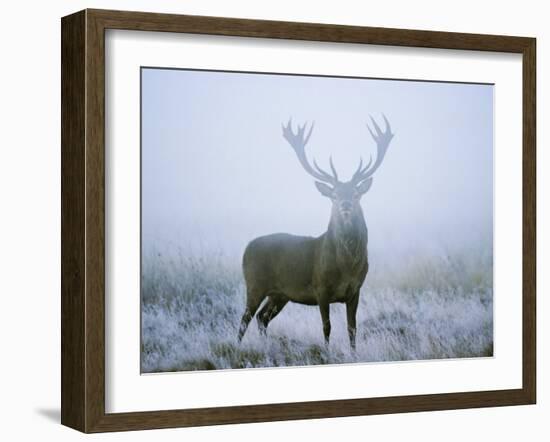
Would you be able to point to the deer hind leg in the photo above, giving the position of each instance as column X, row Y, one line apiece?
column 273, row 306
column 253, row 300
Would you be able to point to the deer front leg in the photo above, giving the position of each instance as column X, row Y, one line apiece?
column 351, row 310
column 324, row 306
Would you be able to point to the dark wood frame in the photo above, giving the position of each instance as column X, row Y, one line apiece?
column 83, row 217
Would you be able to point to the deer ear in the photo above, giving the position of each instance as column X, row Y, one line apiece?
column 325, row 189
column 364, row 186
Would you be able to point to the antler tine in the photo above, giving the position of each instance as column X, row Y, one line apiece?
column 356, row 178
column 382, row 140
column 322, row 172
column 376, row 127
column 298, row 142
column 333, row 168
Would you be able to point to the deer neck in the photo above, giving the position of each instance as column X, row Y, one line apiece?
column 348, row 240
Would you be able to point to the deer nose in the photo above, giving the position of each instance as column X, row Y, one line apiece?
column 345, row 206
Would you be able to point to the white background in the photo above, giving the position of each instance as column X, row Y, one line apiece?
column 30, row 233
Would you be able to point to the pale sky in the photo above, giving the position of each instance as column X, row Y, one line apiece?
column 216, row 171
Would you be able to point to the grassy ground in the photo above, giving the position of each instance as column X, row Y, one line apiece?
column 433, row 308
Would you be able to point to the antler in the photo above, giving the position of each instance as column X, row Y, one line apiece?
column 298, row 142
column 382, row 140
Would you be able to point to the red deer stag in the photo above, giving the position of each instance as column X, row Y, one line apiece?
column 315, row 271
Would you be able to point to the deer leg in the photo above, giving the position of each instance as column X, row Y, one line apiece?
column 252, row 303
column 325, row 317
column 272, row 308
column 263, row 314
column 351, row 310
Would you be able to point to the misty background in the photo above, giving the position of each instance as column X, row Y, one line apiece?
column 216, row 171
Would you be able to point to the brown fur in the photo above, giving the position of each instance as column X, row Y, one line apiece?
column 306, row 270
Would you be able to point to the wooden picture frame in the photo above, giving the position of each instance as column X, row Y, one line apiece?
column 83, row 220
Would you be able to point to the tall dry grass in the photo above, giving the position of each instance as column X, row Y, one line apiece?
column 437, row 306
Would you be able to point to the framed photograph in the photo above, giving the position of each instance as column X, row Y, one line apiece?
column 268, row 220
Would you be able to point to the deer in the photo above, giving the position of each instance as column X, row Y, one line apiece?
column 316, row 271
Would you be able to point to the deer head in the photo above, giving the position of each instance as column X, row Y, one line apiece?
column 345, row 196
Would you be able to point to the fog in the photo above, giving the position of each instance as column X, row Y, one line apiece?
column 216, row 171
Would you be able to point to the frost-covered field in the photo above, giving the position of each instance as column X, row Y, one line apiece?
column 440, row 306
